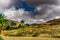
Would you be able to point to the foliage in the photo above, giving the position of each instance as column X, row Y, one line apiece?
column 1, row 38
column 2, row 17
column 23, row 26
column 3, row 21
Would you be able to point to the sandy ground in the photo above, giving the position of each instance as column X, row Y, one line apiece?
column 27, row 38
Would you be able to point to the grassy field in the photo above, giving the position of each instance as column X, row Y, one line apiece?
column 50, row 29
column 29, row 38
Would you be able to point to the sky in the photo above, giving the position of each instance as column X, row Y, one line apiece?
column 26, row 6
column 31, row 11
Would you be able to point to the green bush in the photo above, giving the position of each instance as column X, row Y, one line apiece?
column 1, row 38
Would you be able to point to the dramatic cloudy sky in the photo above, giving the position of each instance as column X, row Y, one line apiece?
column 31, row 11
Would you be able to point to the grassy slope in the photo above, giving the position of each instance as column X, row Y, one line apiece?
column 48, row 29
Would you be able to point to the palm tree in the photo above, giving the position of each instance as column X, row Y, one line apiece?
column 2, row 18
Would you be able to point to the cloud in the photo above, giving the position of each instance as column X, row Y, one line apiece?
column 17, row 15
column 43, row 13
column 47, row 12
column 41, row 2
column 6, row 3
column 21, row 14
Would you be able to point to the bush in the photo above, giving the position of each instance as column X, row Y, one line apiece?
column 1, row 38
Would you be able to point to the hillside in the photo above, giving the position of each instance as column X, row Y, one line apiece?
column 48, row 29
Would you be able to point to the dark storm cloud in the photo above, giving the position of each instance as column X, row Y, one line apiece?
column 42, row 12
column 40, row 2
column 47, row 6
column 18, row 3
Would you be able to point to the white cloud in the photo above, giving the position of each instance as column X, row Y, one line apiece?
column 21, row 14
column 17, row 15
column 5, row 3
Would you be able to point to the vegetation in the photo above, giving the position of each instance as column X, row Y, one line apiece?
column 14, row 28
column 1, row 38
column 2, row 17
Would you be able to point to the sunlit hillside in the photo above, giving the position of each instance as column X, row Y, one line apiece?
column 14, row 28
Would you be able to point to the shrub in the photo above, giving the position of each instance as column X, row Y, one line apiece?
column 1, row 38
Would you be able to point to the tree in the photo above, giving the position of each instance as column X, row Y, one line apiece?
column 2, row 21
column 2, row 17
